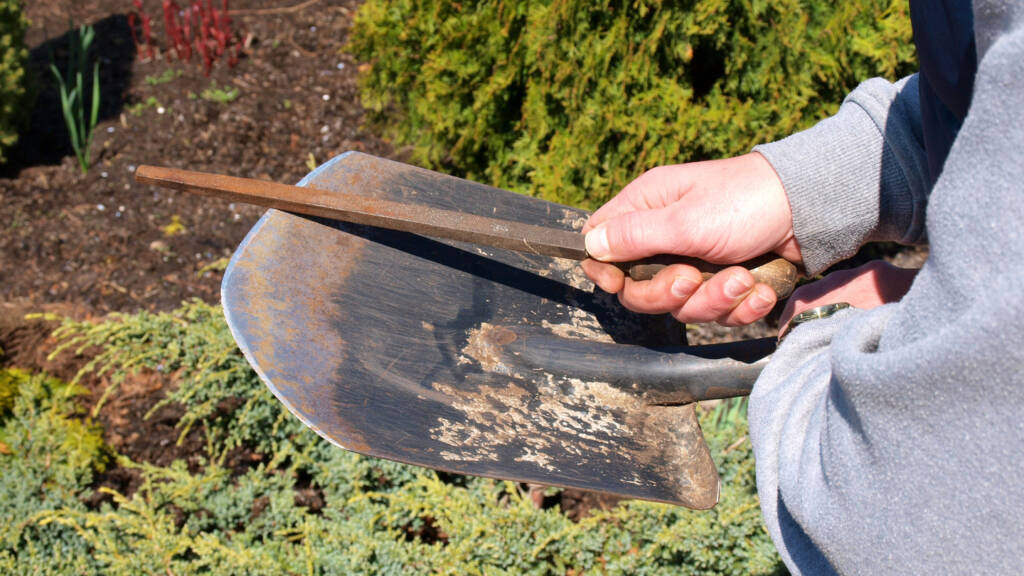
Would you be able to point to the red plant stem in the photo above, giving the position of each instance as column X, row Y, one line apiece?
column 203, row 36
column 174, row 31
column 225, row 26
column 200, row 23
column 187, row 19
column 147, row 34
column 131, row 26
column 215, row 28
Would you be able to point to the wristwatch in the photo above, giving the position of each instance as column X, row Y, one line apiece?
column 812, row 314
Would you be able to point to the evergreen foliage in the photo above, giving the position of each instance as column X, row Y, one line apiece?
column 14, row 93
column 377, row 517
column 571, row 100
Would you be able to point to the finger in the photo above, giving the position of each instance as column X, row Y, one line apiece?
column 607, row 277
column 636, row 235
column 825, row 291
column 864, row 287
column 668, row 290
column 717, row 297
column 789, row 310
column 622, row 203
column 755, row 306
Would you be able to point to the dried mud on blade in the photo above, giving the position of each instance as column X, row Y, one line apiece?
column 402, row 347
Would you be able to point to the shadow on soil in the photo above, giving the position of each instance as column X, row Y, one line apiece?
column 45, row 139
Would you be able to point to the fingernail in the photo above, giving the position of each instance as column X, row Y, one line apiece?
column 684, row 287
column 597, row 243
column 760, row 302
column 737, row 286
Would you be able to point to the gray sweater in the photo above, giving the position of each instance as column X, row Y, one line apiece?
column 892, row 440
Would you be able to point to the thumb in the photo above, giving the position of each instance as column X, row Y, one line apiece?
column 634, row 235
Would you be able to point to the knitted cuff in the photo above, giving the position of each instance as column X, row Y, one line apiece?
column 834, row 175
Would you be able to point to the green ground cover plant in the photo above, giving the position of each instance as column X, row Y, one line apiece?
column 15, row 97
column 373, row 516
column 571, row 100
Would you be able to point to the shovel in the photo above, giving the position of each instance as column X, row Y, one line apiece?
column 466, row 353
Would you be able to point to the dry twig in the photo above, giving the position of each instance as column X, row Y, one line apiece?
column 265, row 11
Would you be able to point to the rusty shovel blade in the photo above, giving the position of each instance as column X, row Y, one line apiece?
column 470, row 359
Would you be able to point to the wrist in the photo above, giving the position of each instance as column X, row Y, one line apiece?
column 776, row 200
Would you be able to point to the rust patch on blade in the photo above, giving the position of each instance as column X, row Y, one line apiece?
column 287, row 320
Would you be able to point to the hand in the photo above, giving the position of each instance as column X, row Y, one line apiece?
column 722, row 211
column 865, row 287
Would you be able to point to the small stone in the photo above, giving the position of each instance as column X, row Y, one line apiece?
column 159, row 246
column 101, row 207
column 326, row 97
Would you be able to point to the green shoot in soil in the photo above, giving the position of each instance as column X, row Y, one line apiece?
column 139, row 108
column 168, row 75
column 225, row 95
column 72, row 94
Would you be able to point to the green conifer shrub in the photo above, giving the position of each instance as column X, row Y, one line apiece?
column 48, row 459
column 14, row 93
column 377, row 517
column 571, row 100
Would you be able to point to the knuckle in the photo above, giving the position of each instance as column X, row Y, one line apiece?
column 653, row 174
column 721, row 303
column 629, row 233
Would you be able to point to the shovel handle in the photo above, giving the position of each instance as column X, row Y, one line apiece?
column 778, row 273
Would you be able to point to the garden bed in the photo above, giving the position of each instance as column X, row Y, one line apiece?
column 104, row 243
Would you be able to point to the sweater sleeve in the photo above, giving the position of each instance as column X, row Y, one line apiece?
column 856, row 177
column 888, row 441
